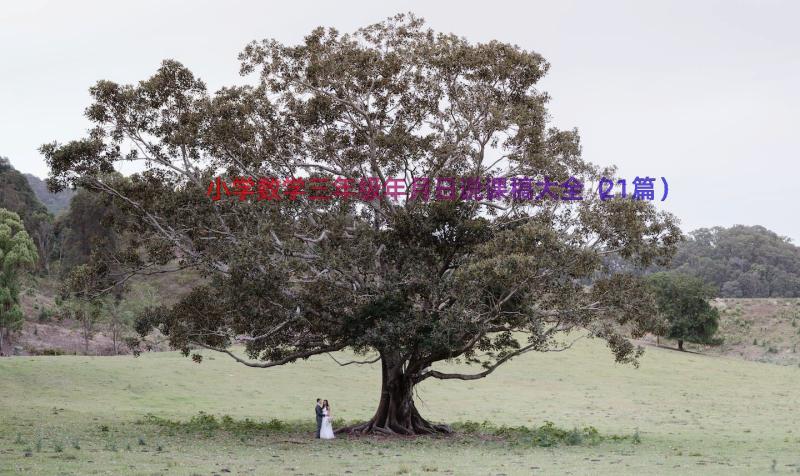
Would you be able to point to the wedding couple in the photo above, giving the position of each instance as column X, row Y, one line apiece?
column 324, row 427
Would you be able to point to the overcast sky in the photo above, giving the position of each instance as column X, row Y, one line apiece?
column 704, row 93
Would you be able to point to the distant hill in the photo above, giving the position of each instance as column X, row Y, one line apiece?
column 55, row 202
column 741, row 261
column 16, row 195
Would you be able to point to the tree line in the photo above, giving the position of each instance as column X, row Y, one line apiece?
column 66, row 237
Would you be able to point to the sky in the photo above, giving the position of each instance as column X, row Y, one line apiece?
column 703, row 93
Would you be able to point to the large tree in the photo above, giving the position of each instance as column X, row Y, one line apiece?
column 407, row 282
column 85, row 228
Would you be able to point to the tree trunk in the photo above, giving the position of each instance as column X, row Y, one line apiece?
column 114, row 336
column 86, row 338
column 396, row 413
column 680, row 344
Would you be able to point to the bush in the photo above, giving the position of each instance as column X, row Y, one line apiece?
column 471, row 427
column 546, row 435
column 51, row 352
column 204, row 423
column 208, row 425
column 44, row 315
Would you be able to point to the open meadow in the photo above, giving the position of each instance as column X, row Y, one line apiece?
column 678, row 412
column 452, row 221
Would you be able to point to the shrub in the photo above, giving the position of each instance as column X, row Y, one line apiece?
column 546, row 435
column 208, row 425
column 471, row 427
column 205, row 423
column 53, row 352
column 573, row 438
column 44, row 315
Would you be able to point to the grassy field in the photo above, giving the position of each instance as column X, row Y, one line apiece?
column 694, row 414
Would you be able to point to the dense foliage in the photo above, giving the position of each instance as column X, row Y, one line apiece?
column 16, row 195
column 683, row 301
column 17, row 253
column 410, row 282
column 741, row 261
column 85, row 228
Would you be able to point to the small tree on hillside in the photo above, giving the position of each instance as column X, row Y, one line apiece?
column 17, row 253
column 122, row 312
column 683, row 301
column 79, row 302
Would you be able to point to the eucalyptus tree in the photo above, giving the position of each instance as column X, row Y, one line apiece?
column 17, row 254
column 406, row 282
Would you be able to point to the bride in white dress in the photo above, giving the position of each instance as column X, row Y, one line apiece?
column 326, row 432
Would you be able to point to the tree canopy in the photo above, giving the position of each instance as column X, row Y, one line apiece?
column 411, row 282
column 86, row 227
column 17, row 196
column 741, row 261
column 683, row 301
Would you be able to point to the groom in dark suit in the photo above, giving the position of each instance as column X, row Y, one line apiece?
column 318, row 410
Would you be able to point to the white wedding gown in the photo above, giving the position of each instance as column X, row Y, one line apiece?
column 326, row 432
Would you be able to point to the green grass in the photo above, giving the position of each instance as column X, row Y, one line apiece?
column 678, row 413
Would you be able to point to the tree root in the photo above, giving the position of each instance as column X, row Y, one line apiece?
column 420, row 427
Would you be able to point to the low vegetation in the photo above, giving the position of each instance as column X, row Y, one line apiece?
column 546, row 435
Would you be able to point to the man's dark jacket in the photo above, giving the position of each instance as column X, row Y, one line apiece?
column 318, row 409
